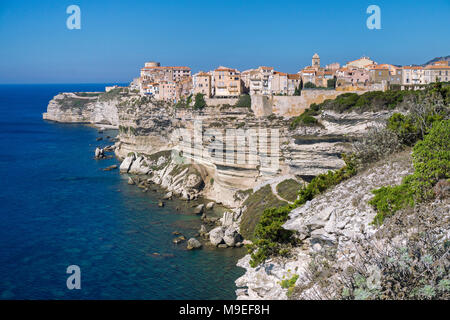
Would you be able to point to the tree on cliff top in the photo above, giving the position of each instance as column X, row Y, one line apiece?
column 200, row 102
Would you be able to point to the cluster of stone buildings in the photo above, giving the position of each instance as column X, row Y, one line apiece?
column 173, row 83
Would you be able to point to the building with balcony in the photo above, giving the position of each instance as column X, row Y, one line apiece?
column 227, row 82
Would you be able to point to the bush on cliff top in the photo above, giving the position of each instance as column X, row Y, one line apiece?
column 306, row 118
column 369, row 101
column 200, row 102
column 244, row 101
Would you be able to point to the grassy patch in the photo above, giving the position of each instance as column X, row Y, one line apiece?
column 245, row 101
column 288, row 189
column 73, row 103
column 88, row 94
column 112, row 94
column 256, row 203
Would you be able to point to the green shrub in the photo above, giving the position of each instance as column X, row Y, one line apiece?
column 306, row 118
column 256, row 204
column 200, row 102
column 369, row 101
column 244, row 101
column 431, row 160
column 389, row 200
column 289, row 284
column 309, row 85
column 404, row 127
column 113, row 94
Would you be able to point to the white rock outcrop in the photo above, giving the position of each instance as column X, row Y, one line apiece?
column 333, row 219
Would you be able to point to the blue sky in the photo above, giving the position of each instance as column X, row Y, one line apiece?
column 117, row 37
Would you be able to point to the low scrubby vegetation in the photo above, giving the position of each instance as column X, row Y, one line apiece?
column 306, row 118
column 256, row 203
column 113, row 94
column 431, row 160
column 369, row 101
column 200, row 102
column 244, row 101
column 73, row 103
column 417, row 268
column 427, row 119
column 288, row 189
column 270, row 238
column 289, row 284
column 184, row 102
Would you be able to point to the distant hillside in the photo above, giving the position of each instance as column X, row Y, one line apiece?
column 447, row 58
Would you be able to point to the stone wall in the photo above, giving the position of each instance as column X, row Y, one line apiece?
column 215, row 102
column 289, row 106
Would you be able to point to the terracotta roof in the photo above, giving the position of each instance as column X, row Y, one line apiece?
column 381, row 67
column 293, row 76
column 414, row 68
column 168, row 67
column 225, row 69
column 308, row 71
column 203, row 74
column 437, row 67
column 441, row 62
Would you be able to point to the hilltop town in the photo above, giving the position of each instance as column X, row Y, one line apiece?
column 174, row 83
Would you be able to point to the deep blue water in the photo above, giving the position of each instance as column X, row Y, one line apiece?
column 58, row 208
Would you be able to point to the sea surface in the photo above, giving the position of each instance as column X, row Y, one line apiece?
column 58, row 208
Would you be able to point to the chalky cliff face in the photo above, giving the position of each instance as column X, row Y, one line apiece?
column 179, row 149
column 82, row 108
column 266, row 147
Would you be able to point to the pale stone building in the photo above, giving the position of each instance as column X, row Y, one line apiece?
column 293, row 82
column 315, row 63
column 278, row 83
column 201, row 82
column 227, row 82
column 438, row 71
column 357, row 78
column 413, row 75
column 362, row 62
column 153, row 72
column 259, row 80
column 167, row 91
column 308, row 75
column 165, row 82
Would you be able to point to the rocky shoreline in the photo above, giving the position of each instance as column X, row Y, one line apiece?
column 149, row 142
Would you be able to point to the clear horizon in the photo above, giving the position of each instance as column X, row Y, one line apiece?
column 117, row 37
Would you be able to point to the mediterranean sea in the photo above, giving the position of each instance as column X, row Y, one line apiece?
column 58, row 208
